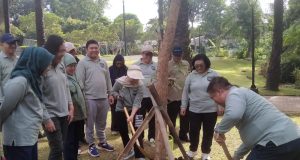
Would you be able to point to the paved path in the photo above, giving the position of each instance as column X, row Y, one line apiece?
column 287, row 104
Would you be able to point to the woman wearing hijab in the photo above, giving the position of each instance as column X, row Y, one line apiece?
column 22, row 109
column 117, row 70
column 129, row 92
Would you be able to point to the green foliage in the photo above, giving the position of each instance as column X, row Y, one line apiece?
column 71, row 24
column 21, row 7
column 95, row 31
column 134, row 27
column 297, row 78
column 90, row 10
column 51, row 21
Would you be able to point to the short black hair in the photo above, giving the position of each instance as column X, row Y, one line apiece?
column 53, row 43
column 202, row 57
column 89, row 42
column 218, row 83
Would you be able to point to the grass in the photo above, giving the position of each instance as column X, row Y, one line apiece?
column 233, row 141
column 237, row 71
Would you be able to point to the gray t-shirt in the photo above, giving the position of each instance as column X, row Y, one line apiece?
column 94, row 78
column 194, row 92
column 257, row 120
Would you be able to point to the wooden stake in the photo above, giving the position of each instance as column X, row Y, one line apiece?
column 137, row 134
column 164, row 133
column 167, row 119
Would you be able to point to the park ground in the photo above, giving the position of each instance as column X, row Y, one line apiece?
column 237, row 71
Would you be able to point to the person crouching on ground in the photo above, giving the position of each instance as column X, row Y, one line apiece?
column 22, row 111
column 129, row 92
column 73, row 134
column 265, row 131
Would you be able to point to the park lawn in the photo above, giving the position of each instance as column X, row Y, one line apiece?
column 233, row 141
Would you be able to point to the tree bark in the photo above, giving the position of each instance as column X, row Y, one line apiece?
column 39, row 22
column 6, row 16
column 162, row 69
column 182, row 36
column 273, row 73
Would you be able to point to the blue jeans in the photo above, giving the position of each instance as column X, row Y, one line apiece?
column 287, row 151
column 21, row 152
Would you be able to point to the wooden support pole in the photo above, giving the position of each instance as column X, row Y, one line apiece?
column 133, row 132
column 137, row 134
column 167, row 119
column 164, row 133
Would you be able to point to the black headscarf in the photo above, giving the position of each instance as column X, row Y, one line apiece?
column 31, row 64
column 116, row 72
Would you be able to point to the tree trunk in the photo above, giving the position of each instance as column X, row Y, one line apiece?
column 182, row 36
column 6, row 16
column 1, row 15
column 162, row 69
column 273, row 74
column 160, row 22
column 39, row 22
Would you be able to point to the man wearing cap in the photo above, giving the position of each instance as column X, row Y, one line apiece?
column 70, row 48
column 8, row 60
column 148, row 68
column 178, row 70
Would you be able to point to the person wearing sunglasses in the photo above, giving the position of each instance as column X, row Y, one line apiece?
column 202, row 109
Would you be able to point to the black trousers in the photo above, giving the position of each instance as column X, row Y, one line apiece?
column 122, row 127
column 173, row 111
column 72, row 140
column 21, row 152
column 80, row 131
column 146, row 106
column 113, row 126
column 208, row 121
column 57, row 138
column 288, row 151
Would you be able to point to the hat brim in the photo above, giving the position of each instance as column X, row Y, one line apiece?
column 134, row 74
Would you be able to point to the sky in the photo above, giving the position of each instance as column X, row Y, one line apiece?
column 147, row 9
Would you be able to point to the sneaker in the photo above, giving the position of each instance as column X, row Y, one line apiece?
column 93, row 151
column 105, row 146
column 152, row 142
column 205, row 156
column 129, row 155
column 191, row 154
column 79, row 151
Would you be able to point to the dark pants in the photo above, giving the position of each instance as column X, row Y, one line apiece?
column 113, row 126
column 208, row 120
column 72, row 140
column 80, row 131
column 56, row 139
column 21, row 153
column 123, row 130
column 146, row 107
column 288, row 151
column 173, row 111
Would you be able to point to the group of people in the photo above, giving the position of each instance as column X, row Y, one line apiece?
column 70, row 98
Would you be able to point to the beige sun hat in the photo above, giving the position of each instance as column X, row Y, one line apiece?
column 135, row 72
column 147, row 48
column 69, row 46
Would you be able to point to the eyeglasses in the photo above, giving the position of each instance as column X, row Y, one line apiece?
column 199, row 65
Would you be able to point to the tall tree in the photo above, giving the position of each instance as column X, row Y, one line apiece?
column 182, row 37
column 134, row 27
column 242, row 8
column 79, row 9
column 273, row 74
column 39, row 22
